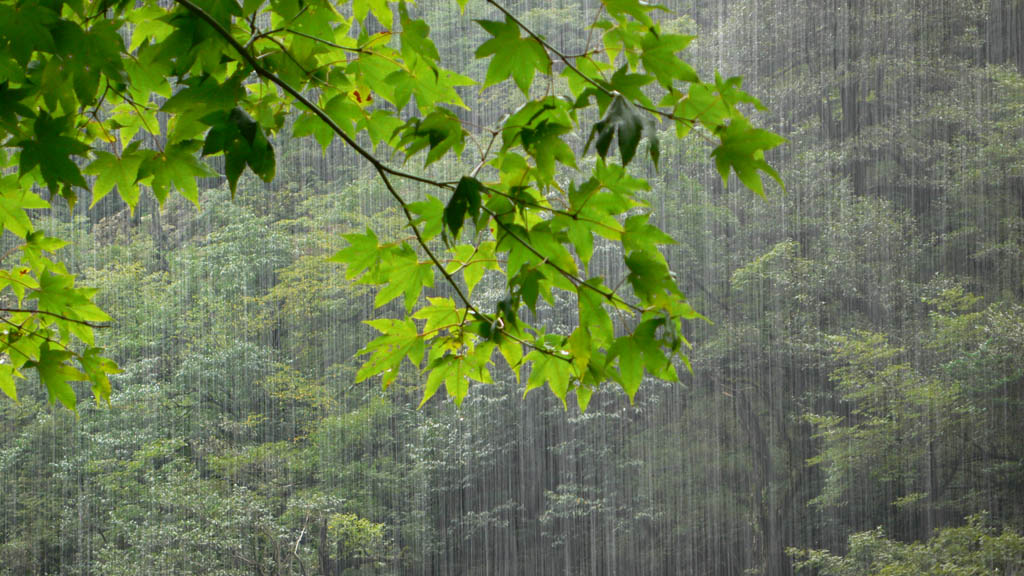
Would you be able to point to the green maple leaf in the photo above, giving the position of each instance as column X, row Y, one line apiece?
column 203, row 95
column 310, row 124
column 196, row 108
column 111, row 170
column 621, row 119
column 415, row 37
column 655, row 361
column 452, row 369
column 631, row 365
column 439, row 132
column 639, row 235
column 538, row 127
column 512, row 352
column 14, row 200
column 177, row 166
column 11, row 107
column 86, row 55
column 465, row 201
column 544, row 143
column 742, row 150
column 362, row 254
column 629, row 85
column 659, row 58
column 400, row 339
column 702, row 104
column 50, row 148
column 513, row 55
column 56, row 374
column 380, row 125
column 405, row 276
column 380, row 9
column 439, row 313
column 194, row 42
column 550, row 370
column 7, row 384
column 26, row 28
column 445, row 370
column 430, row 85
column 545, row 242
column 148, row 74
column 148, row 24
column 240, row 138
column 638, row 9
column 431, row 216
column 32, row 250
column 456, row 371
column 593, row 315
column 473, row 262
column 97, row 370
column 650, row 277
column 57, row 294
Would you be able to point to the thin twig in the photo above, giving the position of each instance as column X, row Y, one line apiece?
column 573, row 215
column 483, row 156
column 574, row 279
column 55, row 315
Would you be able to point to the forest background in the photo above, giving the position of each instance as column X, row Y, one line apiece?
column 860, row 385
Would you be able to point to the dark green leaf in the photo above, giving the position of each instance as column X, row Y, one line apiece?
column 240, row 138
column 56, row 374
column 625, row 121
column 512, row 55
column 464, row 201
column 742, row 150
column 51, row 148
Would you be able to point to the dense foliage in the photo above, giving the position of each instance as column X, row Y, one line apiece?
column 855, row 404
column 971, row 549
column 137, row 91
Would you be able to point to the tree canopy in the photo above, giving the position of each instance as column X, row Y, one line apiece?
column 151, row 97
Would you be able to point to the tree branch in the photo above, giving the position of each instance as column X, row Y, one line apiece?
column 55, row 315
column 576, row 280
column 383, row 171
